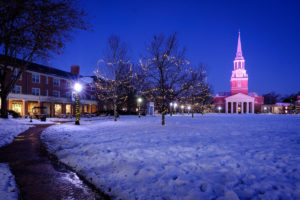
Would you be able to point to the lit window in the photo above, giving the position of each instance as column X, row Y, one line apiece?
column 35, row 91
column 57, row 109
column 17, row 89
column 56, row 93
column 56, row 82
column 68, row 109
column 35, row 78
column 17, row 107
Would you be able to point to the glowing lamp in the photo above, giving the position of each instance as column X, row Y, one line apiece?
column 77, row 87
column 182, row 107
column 139, row 100
column 189, row 107
column 175, row 105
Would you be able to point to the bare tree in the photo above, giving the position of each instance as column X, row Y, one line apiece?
column 271, row 98
column 198, row 94
column 164, row 71
column 114, row 74
column 31, row 29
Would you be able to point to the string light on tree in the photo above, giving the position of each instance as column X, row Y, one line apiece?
column 77, row 88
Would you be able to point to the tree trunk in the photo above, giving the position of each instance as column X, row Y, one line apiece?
column 4, row 113
column 192, row 114
column 115, row 112
column 163, row 118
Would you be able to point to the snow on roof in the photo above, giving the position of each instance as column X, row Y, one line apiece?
column 253, row 94
column 87, row 79
column 223, row 94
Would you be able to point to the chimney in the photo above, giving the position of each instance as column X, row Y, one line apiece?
column 75, row 70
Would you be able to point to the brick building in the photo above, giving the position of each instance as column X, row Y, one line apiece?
column 46, row 90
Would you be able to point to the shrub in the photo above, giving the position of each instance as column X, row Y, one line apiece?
column 14, row 114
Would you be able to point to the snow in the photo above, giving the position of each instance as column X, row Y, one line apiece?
column 8, row 186
column 87, row 79
column 9, row 128
column 214, row 156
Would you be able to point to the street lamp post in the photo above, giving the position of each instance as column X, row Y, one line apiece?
column 182, row 109
column 77, row 88
column 139, row 100
column 175, row 105
column 219, row 108
column 171, row 104
column 189, row 109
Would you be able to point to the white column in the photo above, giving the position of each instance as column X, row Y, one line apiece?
column 242, row 107
column 226, row 107
column 231, row 111
column 236, row 107
column 253, row 107
column 247, row 107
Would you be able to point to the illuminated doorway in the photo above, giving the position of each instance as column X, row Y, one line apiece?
column 57, row 109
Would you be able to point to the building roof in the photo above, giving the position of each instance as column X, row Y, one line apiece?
column 34, row 67
column 223, row 94
column 50, row 71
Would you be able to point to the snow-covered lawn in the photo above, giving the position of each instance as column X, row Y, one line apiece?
column 9, row 128
column 8, row 188
column 206, row 157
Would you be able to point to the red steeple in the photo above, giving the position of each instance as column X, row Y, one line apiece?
column 239, row 77
column 239, row 53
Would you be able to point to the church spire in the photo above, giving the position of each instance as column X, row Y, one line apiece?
column 239, row 53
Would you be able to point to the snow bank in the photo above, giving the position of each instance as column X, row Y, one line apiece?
column 206, row 157
column 8, row 188
column 9, row 128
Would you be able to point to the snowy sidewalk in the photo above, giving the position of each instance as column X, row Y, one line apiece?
column 210, row 156
column 37, row 176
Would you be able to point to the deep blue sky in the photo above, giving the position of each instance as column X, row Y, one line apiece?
column 270, row 32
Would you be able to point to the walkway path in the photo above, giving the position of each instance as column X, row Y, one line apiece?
column 37, row 176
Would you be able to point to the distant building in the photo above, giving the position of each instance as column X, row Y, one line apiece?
column 298, row 105
column 278, row 108
column 46, row 90
column 238, row 100
column 283, row 108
